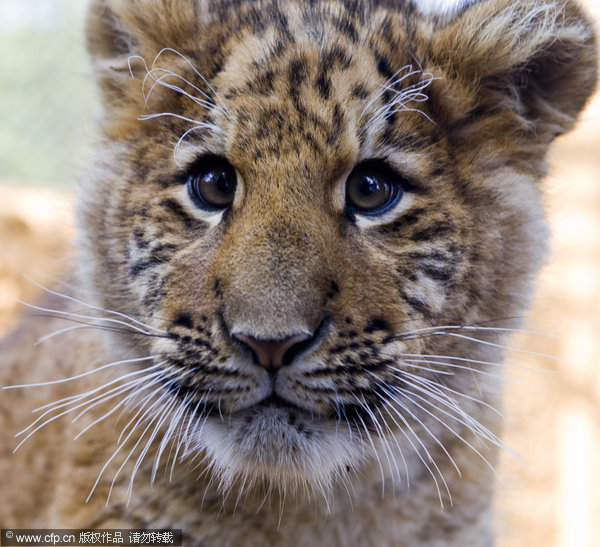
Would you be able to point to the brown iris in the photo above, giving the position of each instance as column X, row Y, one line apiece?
column 213, row 184
column 372, row 189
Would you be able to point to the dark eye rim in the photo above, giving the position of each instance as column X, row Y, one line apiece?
column 399, row 185
column 200, row 167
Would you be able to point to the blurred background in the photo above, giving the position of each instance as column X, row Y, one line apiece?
column 48, row 109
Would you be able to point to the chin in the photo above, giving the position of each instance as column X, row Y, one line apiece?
column 281, row 449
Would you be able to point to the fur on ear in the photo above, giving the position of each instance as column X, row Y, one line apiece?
column 532, row 61
column 123, row 38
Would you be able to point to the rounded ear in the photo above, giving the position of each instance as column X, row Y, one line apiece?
column 107, row 36
column 118, row 30
column 110, row 45
column 536, row 58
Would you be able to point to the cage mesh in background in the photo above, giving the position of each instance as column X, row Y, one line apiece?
column 47, row 100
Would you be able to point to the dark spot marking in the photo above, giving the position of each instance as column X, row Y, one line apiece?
column 323, row 84
column 177, row 209
column 431, row 232
column 384, row 68
column 184, row 319
column 333, row 289
column 437, row 274
column 417, row 304
column 141, row 266
column 360, row 91
column 377, row 324
column 217, row 289
column 140, row 241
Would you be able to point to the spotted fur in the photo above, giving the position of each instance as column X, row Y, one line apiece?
column 382, row 427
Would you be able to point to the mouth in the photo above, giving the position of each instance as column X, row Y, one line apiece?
column 277, row 402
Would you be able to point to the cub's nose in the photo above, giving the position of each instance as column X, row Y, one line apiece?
column 273, row 354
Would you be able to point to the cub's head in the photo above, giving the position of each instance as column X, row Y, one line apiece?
column 318, row 216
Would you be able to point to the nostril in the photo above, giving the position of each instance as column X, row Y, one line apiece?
column 273, row 354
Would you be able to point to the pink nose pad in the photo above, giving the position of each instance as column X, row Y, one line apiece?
column 271, row 353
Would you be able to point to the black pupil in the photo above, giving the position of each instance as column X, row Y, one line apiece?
column 368, row 191
column 369, row 186
column 217, row 186
column 219, row 179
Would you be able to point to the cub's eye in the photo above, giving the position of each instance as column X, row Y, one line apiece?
column 212, row 184
column 372, row 189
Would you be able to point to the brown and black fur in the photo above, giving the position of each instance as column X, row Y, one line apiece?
column 382, row 430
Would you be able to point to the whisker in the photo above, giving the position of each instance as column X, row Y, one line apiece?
column 208, row 104
column 83, row 374
column 475, row 328
column 419, row 421
column 439, row 386
column 164, row 50
column 175, row 422
column 72, row 400
column 122, row 403
column 492, row 344
column 465, row 419
column 375, row 451
column 497, row 442
column 52, row 419
column 388, row 410
column 478, row 362
column 164, row 414
column 68, row 315
column 387, row 449
column 502, row 377
column 98, row 399
column 92, row 307
column 119, row 446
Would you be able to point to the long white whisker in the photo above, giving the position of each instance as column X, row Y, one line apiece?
column 383, row 90
column 175, row 422
column 198, row 123
column 194, row 69
column 207, row 102
column 492, row 344
column 164, row 414
column 383, row 438
column 375, row 451
column 67, row 315
column 121, row 403
column 142, row 403
column 420, row 422
column 408, row 393
column 407, row 363
column 392, row 436
column 53, row 418
column 441, row 387
column 119, row 446
column 83, row 374
column 475, row 328
column 65, row 330
column 468, row 421
column 99, row 399
column 70, row 400
column 96, row 308
column 186, row 133
column 475, row 361
column 388, row 409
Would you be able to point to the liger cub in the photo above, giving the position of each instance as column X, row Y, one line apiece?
column 302, row 242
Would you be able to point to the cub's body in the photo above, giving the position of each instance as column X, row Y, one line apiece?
column 303, row 240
